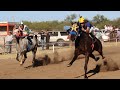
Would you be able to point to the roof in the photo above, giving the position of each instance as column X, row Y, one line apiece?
column 8, row 23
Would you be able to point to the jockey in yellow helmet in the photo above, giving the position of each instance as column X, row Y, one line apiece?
column 86, row 26
column 81, row 19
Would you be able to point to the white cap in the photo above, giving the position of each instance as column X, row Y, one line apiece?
column 21, row 22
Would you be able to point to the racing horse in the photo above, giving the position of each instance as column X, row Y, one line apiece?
column 83, row 45
column 23, row 46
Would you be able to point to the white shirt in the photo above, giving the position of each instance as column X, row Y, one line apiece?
column 9, row 38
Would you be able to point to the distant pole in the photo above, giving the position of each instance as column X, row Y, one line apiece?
column 53, row 48
column 13, row 18
column 47, row 40
column 4, row 45
column 116, row 41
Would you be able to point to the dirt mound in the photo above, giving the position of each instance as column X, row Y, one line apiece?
column 107, row 64
column 41, row 61
column 63, row 55
column 58, row 56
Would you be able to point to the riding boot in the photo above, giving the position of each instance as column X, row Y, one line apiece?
column 93, row 38
column 29, row 40
column 79, row 32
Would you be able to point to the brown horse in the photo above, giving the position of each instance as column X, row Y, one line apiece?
column 83, row 46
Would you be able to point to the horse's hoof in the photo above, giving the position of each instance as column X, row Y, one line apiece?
column 86, row 77
column 68, row 65
column 17, row 59
column 105, row 62
column 21, row 63
column 97, row 58
column 103, row 57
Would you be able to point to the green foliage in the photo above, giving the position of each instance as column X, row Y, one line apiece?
column 48, row 25
column 71, row 17
column 98, row 20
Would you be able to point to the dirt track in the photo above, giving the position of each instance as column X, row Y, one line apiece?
column 10, row 68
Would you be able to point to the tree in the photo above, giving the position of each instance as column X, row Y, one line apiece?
column 99, row 18
column 71, row 17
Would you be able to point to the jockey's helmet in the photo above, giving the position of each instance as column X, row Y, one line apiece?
column 81, row 19
column 21, row 22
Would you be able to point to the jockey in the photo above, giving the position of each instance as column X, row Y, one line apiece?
column 22, row 32
column 86, row 26
column 74, row 28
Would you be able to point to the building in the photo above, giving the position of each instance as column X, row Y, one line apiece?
column 5, row 27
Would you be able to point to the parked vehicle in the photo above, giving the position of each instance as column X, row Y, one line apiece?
column 59, row 36
column 105, row 35
column 102, row 34
column 97, row 33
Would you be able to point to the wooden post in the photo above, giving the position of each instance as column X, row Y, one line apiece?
column 47, row 40
column 7, row 28
column 4, row 45
column 116, row 41
column 53, row 48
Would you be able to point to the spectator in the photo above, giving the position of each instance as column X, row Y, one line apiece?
column 106, row 27
column 42, row 39
column 8, row 42
column 47, row 39
column 118, row 34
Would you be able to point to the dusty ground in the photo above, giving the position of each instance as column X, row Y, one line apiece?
column 10, row 68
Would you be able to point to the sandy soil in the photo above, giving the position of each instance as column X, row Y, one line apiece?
column 10, row 68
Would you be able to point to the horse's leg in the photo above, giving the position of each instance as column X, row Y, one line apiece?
column 101, row 53
column 25, row 57
column 21, row 59
column 86, row 63
column 34, row 55
column 17, row 57
column 76, row 54
column 93, row 56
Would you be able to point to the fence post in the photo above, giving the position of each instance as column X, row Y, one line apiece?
column 116, row 41
column 53, row 48
column 4, row 45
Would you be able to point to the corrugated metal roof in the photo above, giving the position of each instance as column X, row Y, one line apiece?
column 10, row 22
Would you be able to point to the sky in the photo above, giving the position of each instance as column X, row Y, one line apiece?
column 18, row 16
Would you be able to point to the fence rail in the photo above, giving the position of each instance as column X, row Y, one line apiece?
column 53, row 44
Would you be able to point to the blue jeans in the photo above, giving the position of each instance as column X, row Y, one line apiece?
column 42, row 42
column 8, row 47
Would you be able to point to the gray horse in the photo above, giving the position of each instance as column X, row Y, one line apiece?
column 23, row 46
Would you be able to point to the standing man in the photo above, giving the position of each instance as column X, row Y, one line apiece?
column 42, row 39
column 47, row 39
column 8, row 42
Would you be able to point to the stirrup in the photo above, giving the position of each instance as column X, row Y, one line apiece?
column 78, row 34
column 30, row 43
